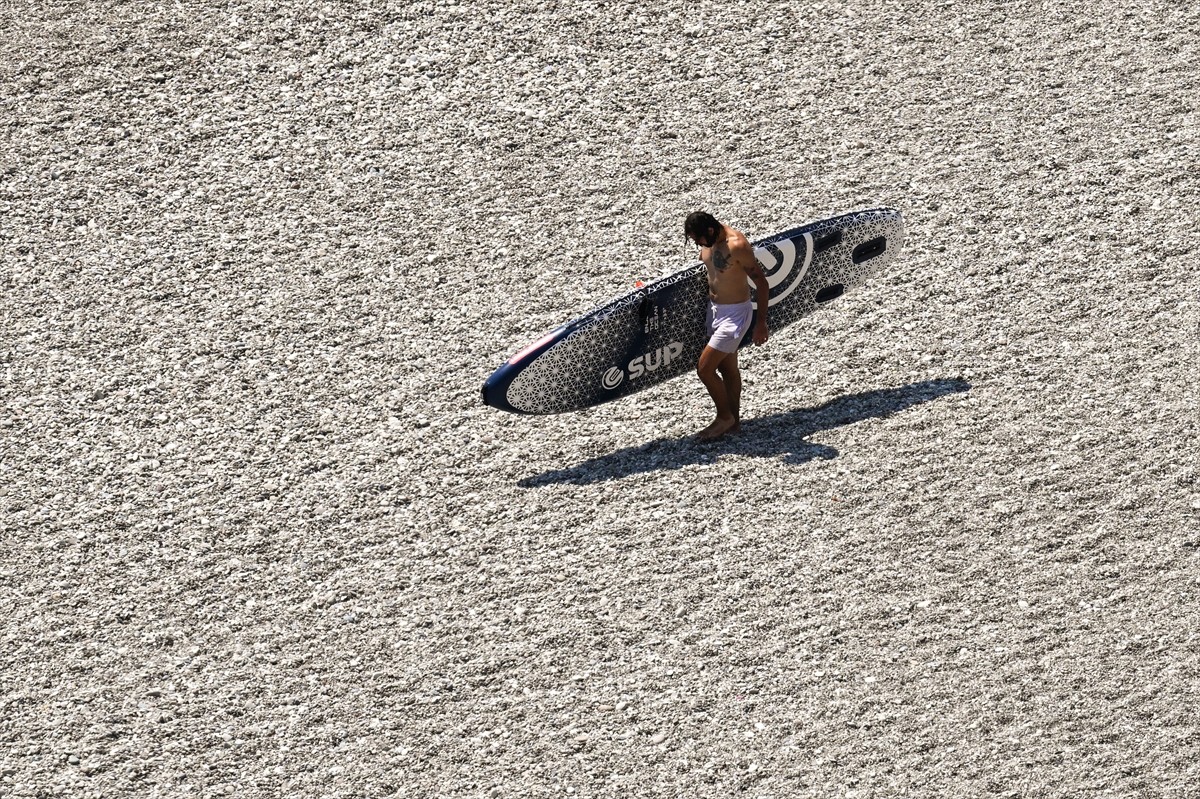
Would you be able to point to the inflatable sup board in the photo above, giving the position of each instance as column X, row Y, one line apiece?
column 657, row 331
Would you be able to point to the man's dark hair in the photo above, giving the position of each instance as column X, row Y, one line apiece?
column 699, row 223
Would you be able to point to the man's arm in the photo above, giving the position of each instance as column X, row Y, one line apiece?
column 762, row 290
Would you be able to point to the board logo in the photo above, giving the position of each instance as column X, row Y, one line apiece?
column 778, row 261
column 648, row 362
column 654, row 360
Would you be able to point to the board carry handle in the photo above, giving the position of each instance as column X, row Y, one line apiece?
column 869, row 249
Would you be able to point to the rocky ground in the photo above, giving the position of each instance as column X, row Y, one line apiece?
column 258, row 537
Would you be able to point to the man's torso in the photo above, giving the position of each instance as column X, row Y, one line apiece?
column 726, row 279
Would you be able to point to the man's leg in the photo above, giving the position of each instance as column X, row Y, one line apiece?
column 728, row 369
column 710, row 361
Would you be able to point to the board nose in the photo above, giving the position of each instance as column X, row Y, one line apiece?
column 494, row 392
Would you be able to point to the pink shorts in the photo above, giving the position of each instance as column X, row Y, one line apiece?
column 727, row 324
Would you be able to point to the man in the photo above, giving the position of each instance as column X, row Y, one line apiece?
column 729, row 258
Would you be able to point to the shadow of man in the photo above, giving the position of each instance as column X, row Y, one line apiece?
column 780, row 434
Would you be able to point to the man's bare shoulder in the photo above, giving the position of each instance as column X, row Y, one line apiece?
column 736, row 238
column 740, row 250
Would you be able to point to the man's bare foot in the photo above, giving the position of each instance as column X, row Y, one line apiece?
column 737, row 427
column 717, row 429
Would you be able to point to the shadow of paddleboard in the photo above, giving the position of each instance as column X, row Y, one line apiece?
column 780, row 434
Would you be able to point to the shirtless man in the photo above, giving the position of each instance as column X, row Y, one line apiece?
column 730, row 260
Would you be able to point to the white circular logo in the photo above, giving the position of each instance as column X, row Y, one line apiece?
column 612, row 378
column 778, row 269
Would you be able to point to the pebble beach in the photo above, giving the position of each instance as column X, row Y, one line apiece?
column 260, row 538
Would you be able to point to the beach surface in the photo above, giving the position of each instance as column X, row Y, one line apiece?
column 260, row 538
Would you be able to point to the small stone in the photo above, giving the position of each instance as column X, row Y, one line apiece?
column 658, row 738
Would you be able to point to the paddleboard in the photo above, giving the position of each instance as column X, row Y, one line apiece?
column 656, row 331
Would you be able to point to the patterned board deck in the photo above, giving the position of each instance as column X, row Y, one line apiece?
column 656, row 332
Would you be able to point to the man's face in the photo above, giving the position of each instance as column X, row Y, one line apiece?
column 706, row 239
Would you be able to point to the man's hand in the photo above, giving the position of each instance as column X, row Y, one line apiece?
column 760, row 331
